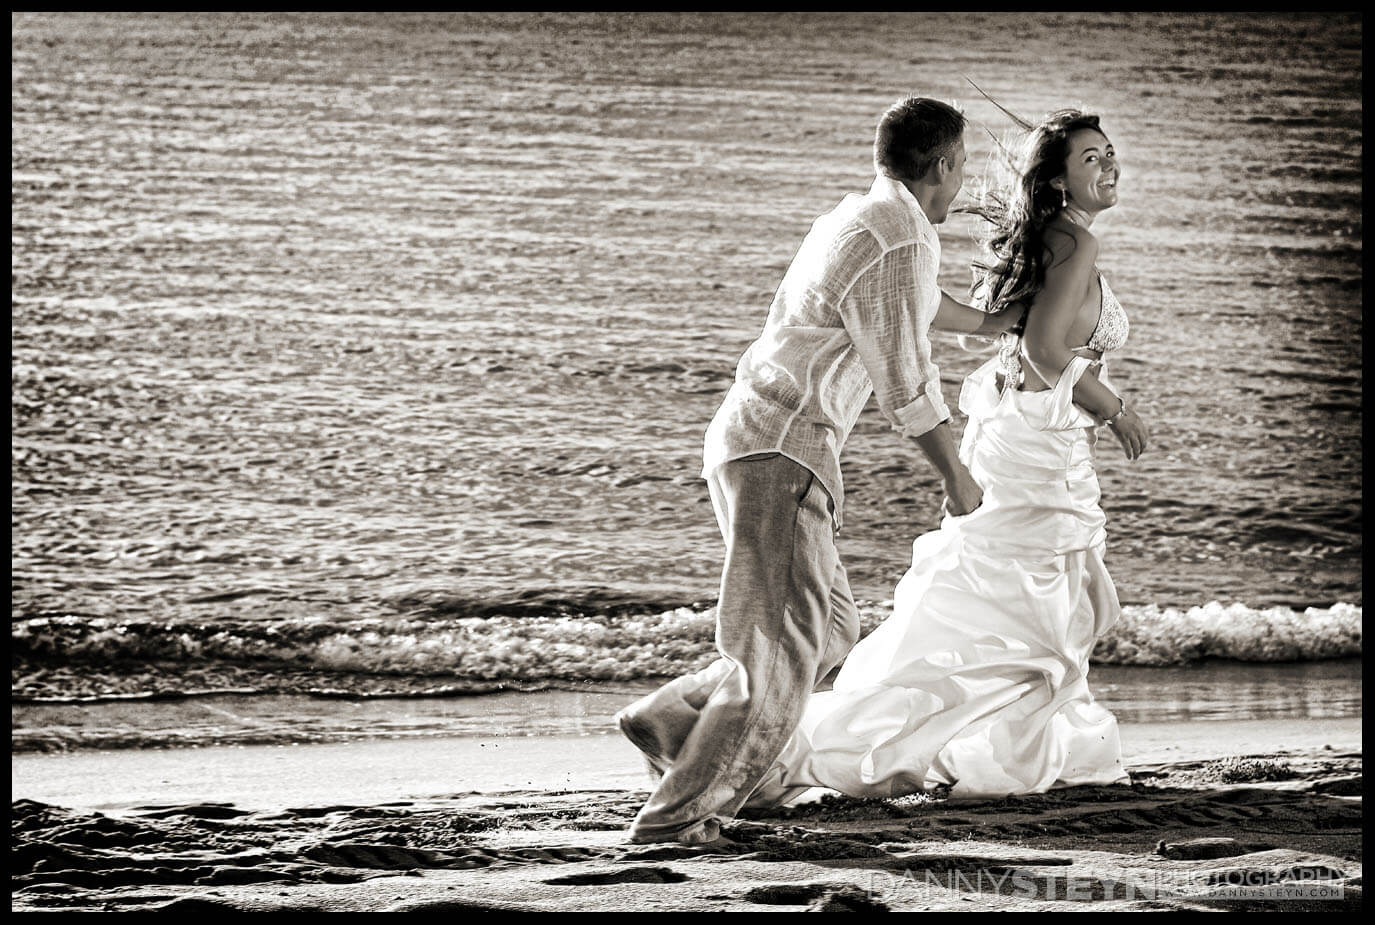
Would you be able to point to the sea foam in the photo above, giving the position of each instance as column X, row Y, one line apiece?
column 54, row 653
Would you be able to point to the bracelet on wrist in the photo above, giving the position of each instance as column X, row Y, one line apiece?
column 1118, row 416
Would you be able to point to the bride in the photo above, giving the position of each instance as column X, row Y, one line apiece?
column 979, row 679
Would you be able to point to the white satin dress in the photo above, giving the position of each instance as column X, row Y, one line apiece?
column 979, row 679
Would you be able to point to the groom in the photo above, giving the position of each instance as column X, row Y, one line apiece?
column 849, row 319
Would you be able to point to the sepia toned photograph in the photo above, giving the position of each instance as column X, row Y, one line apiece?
column 744, row 462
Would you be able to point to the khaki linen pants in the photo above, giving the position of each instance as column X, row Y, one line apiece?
column 785, row 620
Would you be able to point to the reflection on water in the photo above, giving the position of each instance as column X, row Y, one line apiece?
column 1207, row 691
column 1230, row 690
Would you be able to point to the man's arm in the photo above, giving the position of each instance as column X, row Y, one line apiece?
column 963, row 492
column 959, row 318
column 887, row 320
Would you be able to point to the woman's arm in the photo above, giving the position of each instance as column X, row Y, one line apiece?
column 1046, row 339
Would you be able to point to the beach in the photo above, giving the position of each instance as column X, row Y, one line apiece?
column 435, row 825
column 465, row 803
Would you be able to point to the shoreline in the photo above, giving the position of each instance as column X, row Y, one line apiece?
column 1343, row 666
column 380, row 770
column 329, row 828
column 1217, row 691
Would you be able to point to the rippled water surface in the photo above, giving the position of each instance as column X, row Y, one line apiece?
column 351, row 317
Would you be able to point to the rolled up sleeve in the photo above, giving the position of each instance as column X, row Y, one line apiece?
column 887, row 314
column 922, row 414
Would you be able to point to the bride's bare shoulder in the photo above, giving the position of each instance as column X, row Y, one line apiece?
column 1069, row 246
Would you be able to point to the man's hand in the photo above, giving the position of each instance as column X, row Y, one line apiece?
column 963, row 495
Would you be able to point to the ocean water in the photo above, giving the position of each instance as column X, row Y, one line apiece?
column 372, row 354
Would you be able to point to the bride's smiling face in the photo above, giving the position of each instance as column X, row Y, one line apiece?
column 1091, row 171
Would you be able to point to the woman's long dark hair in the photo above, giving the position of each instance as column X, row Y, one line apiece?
column 1018, row 208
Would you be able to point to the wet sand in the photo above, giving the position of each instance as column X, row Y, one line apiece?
column 1282, row 693
column 384, row 826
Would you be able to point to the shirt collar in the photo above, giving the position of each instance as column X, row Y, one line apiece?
column 893, row 189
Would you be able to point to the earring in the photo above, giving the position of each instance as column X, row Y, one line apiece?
column 1064, row 199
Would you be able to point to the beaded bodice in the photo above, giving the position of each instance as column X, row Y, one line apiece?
column 1110, row 334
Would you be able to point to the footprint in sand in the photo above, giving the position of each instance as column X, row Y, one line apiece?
column 195, row 811
column 621, row 875
column 817, row 897
column 391, row 857
column 1202, row 849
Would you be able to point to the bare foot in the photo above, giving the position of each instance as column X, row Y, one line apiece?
column 720, row 845
column 706, row 836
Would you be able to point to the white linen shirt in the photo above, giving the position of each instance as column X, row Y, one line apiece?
column 849, row 320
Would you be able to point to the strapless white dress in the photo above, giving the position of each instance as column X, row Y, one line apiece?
column 979, row 679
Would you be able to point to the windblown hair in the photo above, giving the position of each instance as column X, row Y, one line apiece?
column 1019, row 207
column 913, row 134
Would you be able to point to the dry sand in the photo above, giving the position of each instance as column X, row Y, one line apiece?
column 1189, row 824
